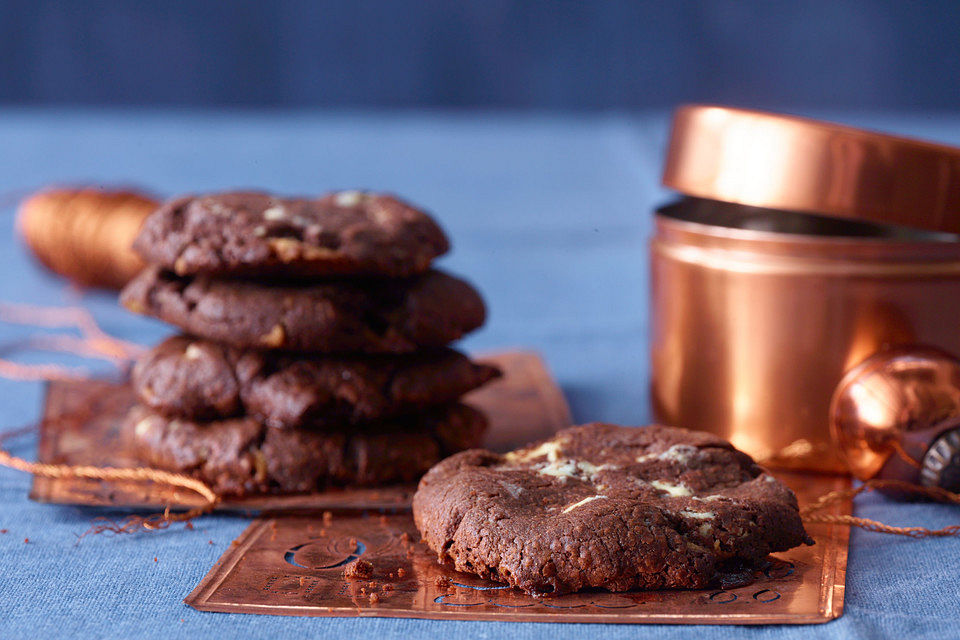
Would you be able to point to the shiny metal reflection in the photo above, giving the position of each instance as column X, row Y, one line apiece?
column 887, row 410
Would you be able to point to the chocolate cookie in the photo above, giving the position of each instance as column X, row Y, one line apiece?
column 606, row 506
column 202, row 380
column 371, row 316
column 242, row 456
column 250, row 233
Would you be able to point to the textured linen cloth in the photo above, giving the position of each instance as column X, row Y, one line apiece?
column 549, row 217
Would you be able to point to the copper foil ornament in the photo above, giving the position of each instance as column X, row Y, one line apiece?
column 897, row 416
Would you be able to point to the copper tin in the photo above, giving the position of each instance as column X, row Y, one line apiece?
column 757, row 315
column 785, row 162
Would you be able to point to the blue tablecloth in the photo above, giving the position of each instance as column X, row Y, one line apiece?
column 549, row 216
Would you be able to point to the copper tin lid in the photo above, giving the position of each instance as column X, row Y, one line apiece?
column 786, row 162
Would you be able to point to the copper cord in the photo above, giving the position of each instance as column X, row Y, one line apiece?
column 810, row 515
column 903, row 455
column 93, row 342
column 85, row 234
column 135, row 474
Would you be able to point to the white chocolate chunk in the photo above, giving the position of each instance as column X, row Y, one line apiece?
column 560, row 469
column 512, row 489
column 581, row 503
column 550, row 449
column 679, row 453
column 348, row 198
column 275, row 338
column 675, row 490
column 569, row 468
column 701, row 515
column 705, row 529
column 276, row 212
column 143, row 427
column 192, row 352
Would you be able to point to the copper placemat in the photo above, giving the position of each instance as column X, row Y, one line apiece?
column 80, row 426
column 294, row 564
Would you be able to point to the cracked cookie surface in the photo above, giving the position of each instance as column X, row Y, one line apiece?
column 241, row 456
column 608, row 507
column 254, row 233
column 199, row 379
column 367, row 316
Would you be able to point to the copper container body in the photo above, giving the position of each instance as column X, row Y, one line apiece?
column 752, row 330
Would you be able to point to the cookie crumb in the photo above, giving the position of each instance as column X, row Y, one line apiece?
column 327, row 517
column 358, row 569
column 26, row 540
column 401, row 572
column 155, row 558
column 3, row 530
column 442, row 582
column 374, row 598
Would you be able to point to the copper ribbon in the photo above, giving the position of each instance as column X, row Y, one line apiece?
column 810, row 515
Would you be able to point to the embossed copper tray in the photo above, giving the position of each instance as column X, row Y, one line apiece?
column 80, row 426
column 294, row 565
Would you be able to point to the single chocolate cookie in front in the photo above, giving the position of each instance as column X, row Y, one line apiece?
column 255, row 234
column 198, row 379
column 366, row 316
column 241, row 456
column 604, row 506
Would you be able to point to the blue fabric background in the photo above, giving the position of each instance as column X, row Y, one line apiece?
column 549, row 217
column 558, row 54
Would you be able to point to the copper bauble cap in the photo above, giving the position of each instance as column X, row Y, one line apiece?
column 786, row 162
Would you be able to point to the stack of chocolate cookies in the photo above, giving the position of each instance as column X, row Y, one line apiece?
column 315, row 348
